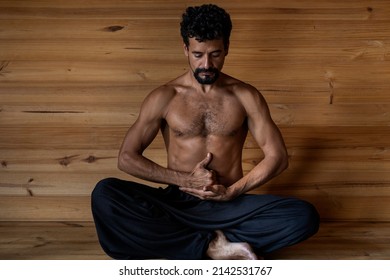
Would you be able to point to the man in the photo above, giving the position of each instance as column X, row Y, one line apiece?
column 204, row 116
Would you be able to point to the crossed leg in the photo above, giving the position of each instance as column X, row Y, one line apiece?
column 135, row 221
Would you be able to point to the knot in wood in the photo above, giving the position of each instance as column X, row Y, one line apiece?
column 90, row 159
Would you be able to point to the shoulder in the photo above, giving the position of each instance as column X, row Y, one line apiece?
column 247, row 94
column 160, row 98
column 164, row 92
column 168, row 90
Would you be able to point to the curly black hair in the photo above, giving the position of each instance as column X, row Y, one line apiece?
column 206, row 22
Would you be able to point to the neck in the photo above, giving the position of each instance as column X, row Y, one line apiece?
column 205, row 88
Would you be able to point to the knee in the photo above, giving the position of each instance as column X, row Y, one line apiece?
column 308, row 219
column 101, row 185
column 102, row 190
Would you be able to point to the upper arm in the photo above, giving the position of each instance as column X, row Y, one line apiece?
column 261, row 125
column 147, row 125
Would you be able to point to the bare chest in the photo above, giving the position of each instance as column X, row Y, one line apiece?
column 191, row 118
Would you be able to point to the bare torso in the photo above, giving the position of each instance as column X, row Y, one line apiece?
column 197, row 123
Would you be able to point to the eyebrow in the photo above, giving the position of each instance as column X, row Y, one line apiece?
column 199, row 52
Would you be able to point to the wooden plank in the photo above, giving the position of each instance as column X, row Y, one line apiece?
column 99, row 49
column 35, row 95
column 343, row 75
column 322, row 137
column 60, row 208
column 45, row 184
column 62, row 137
column 88, row 72
column 115, row 31
column 68, row 161
column 68, row 116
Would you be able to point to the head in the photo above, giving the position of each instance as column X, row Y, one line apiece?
column 206, row 31
column 206, row 22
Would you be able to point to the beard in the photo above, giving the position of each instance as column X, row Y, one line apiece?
column 211, row 75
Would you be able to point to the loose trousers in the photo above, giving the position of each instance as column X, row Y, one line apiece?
column 135, row 221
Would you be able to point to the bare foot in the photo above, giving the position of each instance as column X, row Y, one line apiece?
column 221, row 249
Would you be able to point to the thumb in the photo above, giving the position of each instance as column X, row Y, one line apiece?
column 207, row 160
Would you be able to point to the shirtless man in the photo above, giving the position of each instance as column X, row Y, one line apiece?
column 204, row 116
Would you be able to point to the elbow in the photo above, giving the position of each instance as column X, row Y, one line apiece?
column 121, row 162
column 124, row 162
column 284, row 163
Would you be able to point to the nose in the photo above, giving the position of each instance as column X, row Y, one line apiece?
column 207, row 62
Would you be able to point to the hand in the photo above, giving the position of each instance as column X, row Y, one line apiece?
column 203, row 183
column 213, row 192
column 200, row 176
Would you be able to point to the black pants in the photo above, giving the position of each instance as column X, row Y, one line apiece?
column 135, row 221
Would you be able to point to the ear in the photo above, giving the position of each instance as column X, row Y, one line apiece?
column 227, row 49
column 186, row 51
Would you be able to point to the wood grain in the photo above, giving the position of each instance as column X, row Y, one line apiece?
column 73, row 75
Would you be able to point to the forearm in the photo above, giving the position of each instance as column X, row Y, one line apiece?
column 263, row 172
column 143, row 168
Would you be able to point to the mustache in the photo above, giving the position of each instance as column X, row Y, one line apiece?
column 205, row 70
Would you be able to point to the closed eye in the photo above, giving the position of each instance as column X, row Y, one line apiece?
column 197, row 54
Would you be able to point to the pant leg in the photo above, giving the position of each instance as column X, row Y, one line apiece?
column 130, row 225
column 284, row 222
column 134, row 221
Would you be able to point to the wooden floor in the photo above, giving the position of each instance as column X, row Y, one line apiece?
column 78, row 241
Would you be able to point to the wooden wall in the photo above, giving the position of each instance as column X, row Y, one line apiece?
column 73, row 74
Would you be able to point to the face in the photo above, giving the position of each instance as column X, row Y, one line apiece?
column 206, row 59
